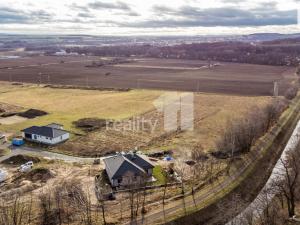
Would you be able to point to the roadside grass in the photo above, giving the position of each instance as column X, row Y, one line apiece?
column 4, row 152
column 67, row 105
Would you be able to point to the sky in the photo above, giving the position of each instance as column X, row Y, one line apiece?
column 148, row 17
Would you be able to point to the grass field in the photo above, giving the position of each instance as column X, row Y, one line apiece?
column 211, row 112
column 68, row 105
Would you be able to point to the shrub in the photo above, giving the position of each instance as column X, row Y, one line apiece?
column 291, row 93
column 241, row 134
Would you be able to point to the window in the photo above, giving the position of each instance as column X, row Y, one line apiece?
column 35, row 136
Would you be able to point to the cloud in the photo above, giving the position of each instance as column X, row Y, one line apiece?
column 41, row 15
column 187, row 16
column 120, row 7
column 76, row 7
column 107, row 5
column 9, row 15
column 14, row 16
column 85, row 15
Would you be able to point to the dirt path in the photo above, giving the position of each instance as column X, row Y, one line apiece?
column 47, row 155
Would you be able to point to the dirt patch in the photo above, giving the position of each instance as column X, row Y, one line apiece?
column 90, row 124
column 12, row 120
column 20, row 159
column 39, row 174
column 7, row 110
column 3, row 152
column 32, row 113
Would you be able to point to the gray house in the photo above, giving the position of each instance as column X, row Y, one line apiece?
column 128, row 169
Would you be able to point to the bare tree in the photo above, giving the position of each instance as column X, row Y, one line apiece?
column 288, row 186
column 182, row 169
column 291, row 92
column 16, row 212
column 240, row 135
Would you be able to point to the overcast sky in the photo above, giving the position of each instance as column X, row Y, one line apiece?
column 148, row 17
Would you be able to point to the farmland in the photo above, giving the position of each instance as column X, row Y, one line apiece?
column 80, row 90
column 66, row 106
column 147, row 73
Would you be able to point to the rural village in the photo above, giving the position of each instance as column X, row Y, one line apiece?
column 88, row 137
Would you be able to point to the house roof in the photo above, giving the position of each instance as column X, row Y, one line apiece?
column 140, row 160
column 55, row 125
column 45, row 131
column 117, row 165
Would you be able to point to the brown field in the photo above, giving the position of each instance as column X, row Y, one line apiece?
column 211, row 114
column 65, row 106
column 167, row 74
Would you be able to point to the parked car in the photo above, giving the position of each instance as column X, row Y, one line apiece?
column 26, row 167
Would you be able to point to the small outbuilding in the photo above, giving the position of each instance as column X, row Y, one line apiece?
column 128, row 169
column 51, row 134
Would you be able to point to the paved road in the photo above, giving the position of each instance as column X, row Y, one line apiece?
column 256, row 208
column 47, row 155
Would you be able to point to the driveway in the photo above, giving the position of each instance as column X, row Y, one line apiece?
column 46, row 155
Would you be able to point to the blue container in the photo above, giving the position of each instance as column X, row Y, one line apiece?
column 18, row 142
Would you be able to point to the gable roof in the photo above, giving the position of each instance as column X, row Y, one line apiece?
column 140, row 160
column 119, row 164
column 55, row 125
column 45, row 131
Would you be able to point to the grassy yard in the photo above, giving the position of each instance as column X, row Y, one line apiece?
column 68, row 105
column 159, row 175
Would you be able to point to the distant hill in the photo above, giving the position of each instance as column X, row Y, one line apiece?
column 286, row 41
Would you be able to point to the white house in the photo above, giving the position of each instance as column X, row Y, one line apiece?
column 51, row 134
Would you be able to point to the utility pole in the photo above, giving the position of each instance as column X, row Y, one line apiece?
column 198, row 86
column 87, row 81
column 39, row 78
column 276, row 89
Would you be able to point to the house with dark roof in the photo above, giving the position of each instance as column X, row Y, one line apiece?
column 128, row 169
column 51, row 134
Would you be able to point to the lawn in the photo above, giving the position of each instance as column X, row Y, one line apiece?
column 67, row 105
column 159, row 175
